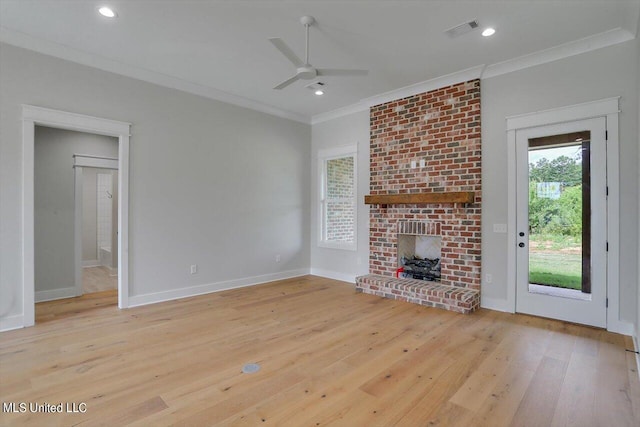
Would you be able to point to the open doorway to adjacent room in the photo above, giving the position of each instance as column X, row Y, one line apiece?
column 75, row 216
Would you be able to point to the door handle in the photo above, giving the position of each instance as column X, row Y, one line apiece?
column 521, row 244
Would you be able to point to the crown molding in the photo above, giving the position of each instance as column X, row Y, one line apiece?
column 426, row 86
column 339, row 112
column 403, row 92
column 587, row 44
column 26, row 41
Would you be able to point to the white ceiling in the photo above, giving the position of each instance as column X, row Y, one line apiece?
column 220, row 49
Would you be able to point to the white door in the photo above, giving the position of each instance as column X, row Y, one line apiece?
column 562, row 221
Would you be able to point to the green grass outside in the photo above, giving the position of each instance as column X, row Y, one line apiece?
column 550, row 265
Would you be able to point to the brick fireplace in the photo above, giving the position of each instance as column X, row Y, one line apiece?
column 425, row 144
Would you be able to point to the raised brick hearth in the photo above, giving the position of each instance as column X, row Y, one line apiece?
column 432, row 294
column 442, row 128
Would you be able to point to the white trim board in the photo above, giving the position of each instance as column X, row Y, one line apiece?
column 11, row 322
column 496, row 304
column 565, row 50
column 84, row 161
column 585, row 110
column 31, row 117
column 608, row 108
column 403, row 92
column 335, row 275
column 54, row 294
column 156, row 297
column 637, row 349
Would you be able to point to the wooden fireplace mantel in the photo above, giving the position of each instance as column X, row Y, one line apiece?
column 420, row 198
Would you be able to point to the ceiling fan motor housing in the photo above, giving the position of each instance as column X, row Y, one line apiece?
column 306, row 73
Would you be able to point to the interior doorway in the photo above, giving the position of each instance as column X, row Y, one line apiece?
column 37, row 116
column 75, row 226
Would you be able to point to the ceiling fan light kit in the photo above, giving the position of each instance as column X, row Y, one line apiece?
column 304, row 70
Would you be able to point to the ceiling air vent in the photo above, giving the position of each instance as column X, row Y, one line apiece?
column 461, row 29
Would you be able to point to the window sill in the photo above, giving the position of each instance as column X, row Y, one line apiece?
column 340, row 246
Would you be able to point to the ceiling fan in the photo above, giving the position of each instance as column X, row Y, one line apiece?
column 304, row 70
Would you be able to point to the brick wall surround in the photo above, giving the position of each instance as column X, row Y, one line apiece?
column 443, row 128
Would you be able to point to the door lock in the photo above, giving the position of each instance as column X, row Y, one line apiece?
column 521, row 244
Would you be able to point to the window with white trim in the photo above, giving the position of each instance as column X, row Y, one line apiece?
column 338, row 198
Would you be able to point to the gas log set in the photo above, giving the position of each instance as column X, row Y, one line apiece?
column 421, row 269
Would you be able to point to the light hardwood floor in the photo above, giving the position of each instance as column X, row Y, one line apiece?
column 98, row 279
column 328, row 356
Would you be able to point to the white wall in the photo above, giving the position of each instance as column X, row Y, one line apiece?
column 595, row 75
column 344, row 131
column 54, row 201
column 210, row 184
column 89, row 215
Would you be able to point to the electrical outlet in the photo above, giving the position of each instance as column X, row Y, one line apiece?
column 422, row 163
column 488, row 278
column 194, row 268
column 278, row 258
column 413, row 164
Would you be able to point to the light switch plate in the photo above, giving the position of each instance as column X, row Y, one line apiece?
column 499, row 228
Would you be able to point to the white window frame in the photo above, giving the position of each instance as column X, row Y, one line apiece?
column 323, row 157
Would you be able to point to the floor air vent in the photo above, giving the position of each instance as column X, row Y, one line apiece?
column 250, row 368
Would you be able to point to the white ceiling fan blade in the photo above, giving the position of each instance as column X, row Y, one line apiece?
column 341, row 72
column 287, row 82
column 286, row 51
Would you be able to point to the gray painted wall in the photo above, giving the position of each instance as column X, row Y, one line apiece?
column 599, row 74
column 89, row 215
column 344, row 131
column 54, row 201
column 211, row 184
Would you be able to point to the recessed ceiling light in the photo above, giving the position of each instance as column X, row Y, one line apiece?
column 107, row 12
column 319, row 92
column 488, row 32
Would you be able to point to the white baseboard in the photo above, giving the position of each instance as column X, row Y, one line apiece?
column 11, row 322
column 335, row 275
column 495, row 304
column 54, row 294
column 138, row 300
column 637, row 348
column 621, row 327
column 91, row 263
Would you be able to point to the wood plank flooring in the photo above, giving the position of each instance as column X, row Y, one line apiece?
column 98, row 279
column 328, row 356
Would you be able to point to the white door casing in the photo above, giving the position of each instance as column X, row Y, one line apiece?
column 601, row 108
column 591, row 310
column 81, row 161
column 31, row 117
